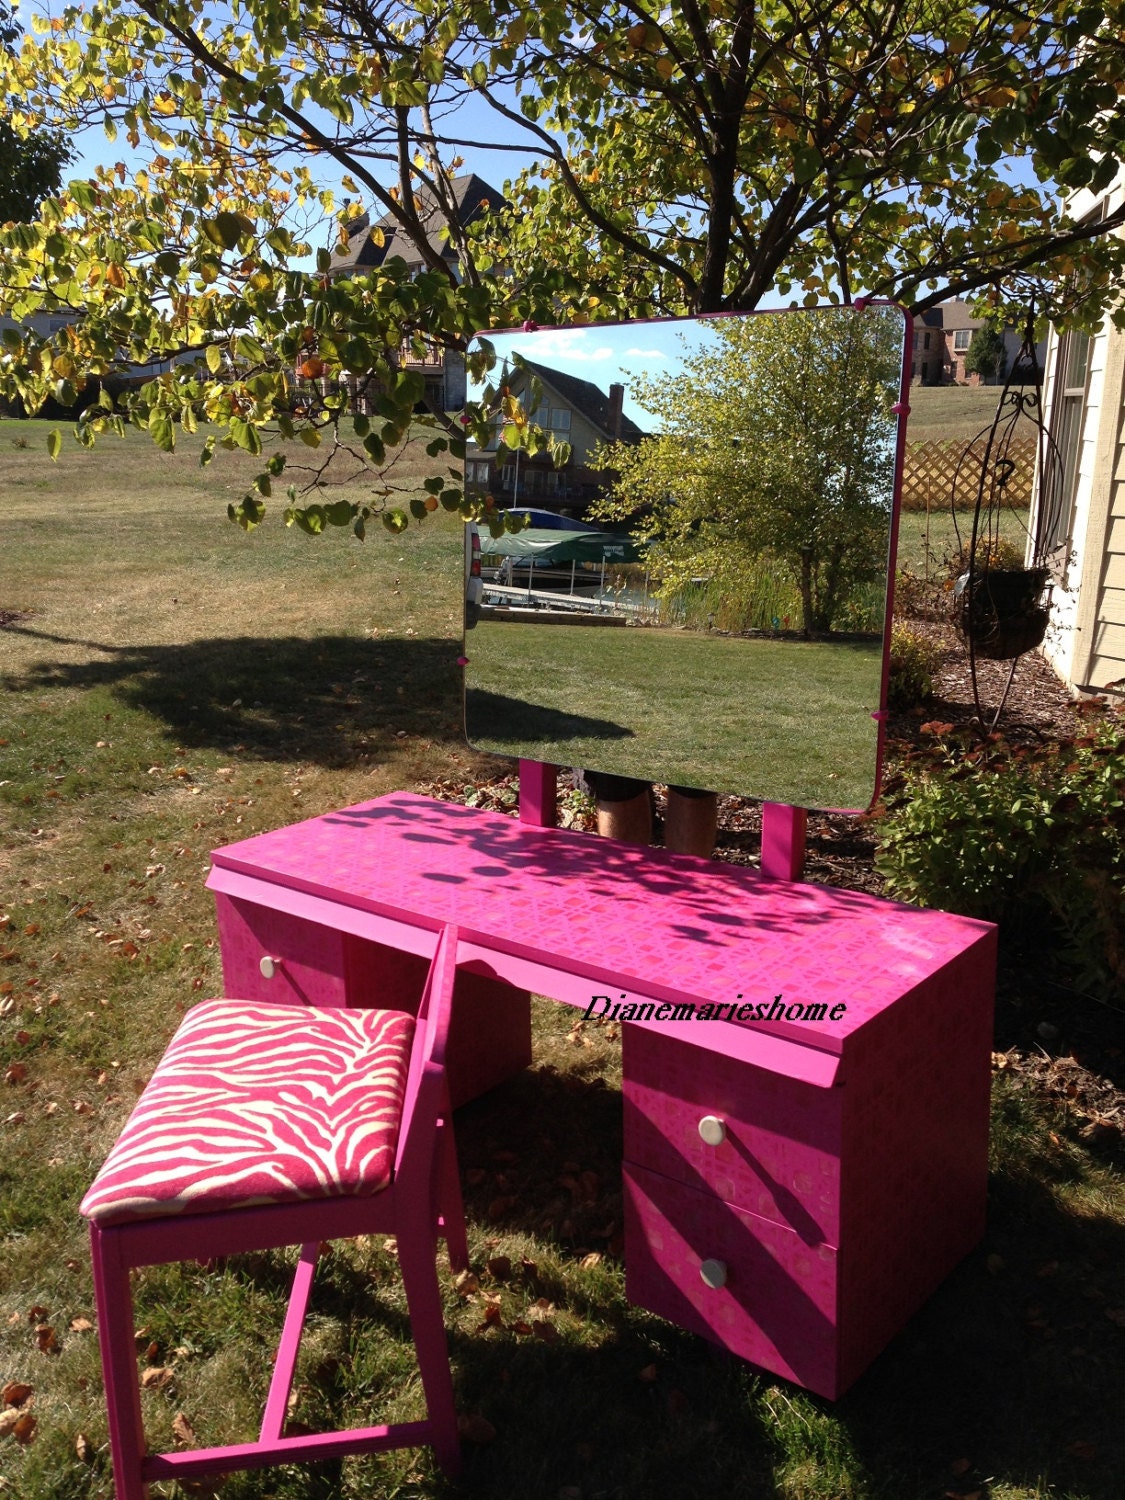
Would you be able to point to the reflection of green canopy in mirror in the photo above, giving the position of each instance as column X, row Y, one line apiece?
column 756, row 480
column 546, row 546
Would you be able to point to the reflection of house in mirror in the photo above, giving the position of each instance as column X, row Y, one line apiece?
column 371, row 245
column 577, row 412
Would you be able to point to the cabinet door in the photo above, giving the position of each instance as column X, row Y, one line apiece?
column 748, row 1284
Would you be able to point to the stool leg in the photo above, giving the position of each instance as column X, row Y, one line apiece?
column 417, row 1254
column 119, row 1363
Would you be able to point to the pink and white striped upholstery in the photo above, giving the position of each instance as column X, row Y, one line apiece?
column 259, row 1104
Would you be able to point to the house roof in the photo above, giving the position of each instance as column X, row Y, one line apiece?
column 586, row 398
column 956, row 315
column 471, row 194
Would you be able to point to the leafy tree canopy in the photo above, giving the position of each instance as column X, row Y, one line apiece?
column 30, row 166
column 695, row 156
column 775, row 450
column 986, row 355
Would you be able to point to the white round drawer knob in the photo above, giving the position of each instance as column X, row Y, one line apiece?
column 712, row 1130
column 268, row 967
column 714, row 1273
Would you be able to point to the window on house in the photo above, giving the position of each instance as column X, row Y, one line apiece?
column 1068, row 417
column 560, row 419
column 962, row 338
column 542, row 415
column 926, row 341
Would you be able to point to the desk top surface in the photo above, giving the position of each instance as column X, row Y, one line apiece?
column 671, row 926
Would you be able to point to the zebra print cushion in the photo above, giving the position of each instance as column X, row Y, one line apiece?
column 259, row 1104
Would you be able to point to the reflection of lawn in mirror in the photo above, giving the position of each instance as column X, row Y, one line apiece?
column 787, row 721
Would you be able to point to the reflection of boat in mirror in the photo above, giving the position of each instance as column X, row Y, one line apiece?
column 749, row 465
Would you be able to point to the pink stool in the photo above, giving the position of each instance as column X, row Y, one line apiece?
column 267, row 1125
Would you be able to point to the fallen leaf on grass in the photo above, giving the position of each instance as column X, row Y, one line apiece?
column 81, row 1325
column 15, row 1393
column 83, row 1448
column 499, row 1267
column 522, row 1328
column 475, row 1428
column 588, row 1262
column 544, row 1330
column 47, row 1339
column 1080, row 1449
column 8, row 1420
column 492, row 1318
column 37, row 1313
column 24, row 1429
column 16, row 1073
column 465, row 1283
column 157, row 1377
column 182, row 1430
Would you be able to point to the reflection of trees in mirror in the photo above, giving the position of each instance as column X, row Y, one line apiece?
column 776, row 461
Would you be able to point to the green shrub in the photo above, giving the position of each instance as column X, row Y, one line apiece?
column 1032, row 839
column 914, row 660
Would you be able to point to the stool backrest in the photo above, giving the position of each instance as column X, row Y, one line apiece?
column 427, row 1096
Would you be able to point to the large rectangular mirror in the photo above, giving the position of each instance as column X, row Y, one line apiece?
column 701, row 595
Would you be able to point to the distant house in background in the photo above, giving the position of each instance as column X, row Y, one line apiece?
column 371, row 245
column 1084, row 400
column 942, row 336
column 578, row 412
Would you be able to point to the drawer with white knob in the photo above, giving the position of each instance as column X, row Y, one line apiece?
column 747, row 1283
column 768, row 1142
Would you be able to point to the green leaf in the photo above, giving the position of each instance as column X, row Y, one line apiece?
column 162, row 431
column 395, row 521
column 54, row 444
column 249, row 349
column 340, row 513
column 433, row 486
column 248, row 514
column 418, row 509
column 310, row 519
column 246, row 435
column 310, row 437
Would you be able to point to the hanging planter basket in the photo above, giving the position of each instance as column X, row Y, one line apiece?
column 1002, row 613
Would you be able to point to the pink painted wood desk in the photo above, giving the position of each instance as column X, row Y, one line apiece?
column 794, row 1188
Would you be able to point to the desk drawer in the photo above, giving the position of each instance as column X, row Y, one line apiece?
column 307, row 958
column 769, row 1143
column 749, row 1284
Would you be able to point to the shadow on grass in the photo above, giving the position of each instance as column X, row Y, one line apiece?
column 534, row 721
column 1015, row 1364
column 321, row 699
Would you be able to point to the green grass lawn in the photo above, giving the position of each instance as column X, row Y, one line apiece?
column 950, row 413
column 925, row 549
column 791, row 719
column 170, row 685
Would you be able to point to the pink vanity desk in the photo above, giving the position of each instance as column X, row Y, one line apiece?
column 794, row 1190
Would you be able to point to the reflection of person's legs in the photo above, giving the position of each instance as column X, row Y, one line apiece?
column 624, row 806
column 629, row 821
column 691, row 822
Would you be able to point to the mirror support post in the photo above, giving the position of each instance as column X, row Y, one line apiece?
column 537, row 794
column 783, row 840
